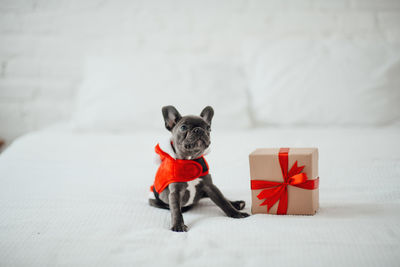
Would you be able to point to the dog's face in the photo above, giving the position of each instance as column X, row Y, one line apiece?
column 190, row 134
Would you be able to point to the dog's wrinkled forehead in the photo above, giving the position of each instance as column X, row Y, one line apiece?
column 193, row 122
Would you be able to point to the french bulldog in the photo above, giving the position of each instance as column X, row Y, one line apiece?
column 189, row 141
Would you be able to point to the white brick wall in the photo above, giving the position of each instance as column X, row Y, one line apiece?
column 43, row 42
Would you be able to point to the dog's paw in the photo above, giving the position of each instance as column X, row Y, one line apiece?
column 179, row 228
column 239, row 205
column 239, row 215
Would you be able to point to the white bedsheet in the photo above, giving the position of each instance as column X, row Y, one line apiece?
column 80, row 199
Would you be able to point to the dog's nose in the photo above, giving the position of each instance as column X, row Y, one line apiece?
column 197, row 130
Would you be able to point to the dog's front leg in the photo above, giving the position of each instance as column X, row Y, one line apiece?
column 175, row 207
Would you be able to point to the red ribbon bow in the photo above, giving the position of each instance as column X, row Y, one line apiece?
column 274, row 191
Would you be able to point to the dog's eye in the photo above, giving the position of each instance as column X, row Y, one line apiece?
column 209, row 128
column 183, row 128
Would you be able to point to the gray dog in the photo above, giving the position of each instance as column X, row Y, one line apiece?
column 189, row 142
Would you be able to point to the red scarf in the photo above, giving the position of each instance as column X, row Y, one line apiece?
column 177, row 170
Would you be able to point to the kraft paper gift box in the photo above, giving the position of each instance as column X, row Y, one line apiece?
column 284, row 181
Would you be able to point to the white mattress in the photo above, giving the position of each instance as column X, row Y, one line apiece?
column 80, row 199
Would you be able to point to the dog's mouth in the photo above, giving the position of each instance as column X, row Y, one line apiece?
column 194, row 145
column 198, row 144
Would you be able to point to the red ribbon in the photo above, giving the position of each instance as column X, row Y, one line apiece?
column 274, row 191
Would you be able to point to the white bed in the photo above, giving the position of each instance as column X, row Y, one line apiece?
column 80, row 199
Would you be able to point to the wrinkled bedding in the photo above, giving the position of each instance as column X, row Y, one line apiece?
column 69, row 198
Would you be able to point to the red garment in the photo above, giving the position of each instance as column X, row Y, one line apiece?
column 177, row 170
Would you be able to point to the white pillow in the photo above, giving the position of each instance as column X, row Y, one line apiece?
column 323, row 82
column 123, row 91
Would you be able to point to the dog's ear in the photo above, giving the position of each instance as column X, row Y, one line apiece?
column 207, row 114
column 171, row 117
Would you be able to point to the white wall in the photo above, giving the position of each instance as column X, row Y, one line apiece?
column 43, row 44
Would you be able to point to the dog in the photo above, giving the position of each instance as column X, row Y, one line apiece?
column 182, row 178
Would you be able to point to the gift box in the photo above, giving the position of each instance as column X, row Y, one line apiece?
column 284, row 181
